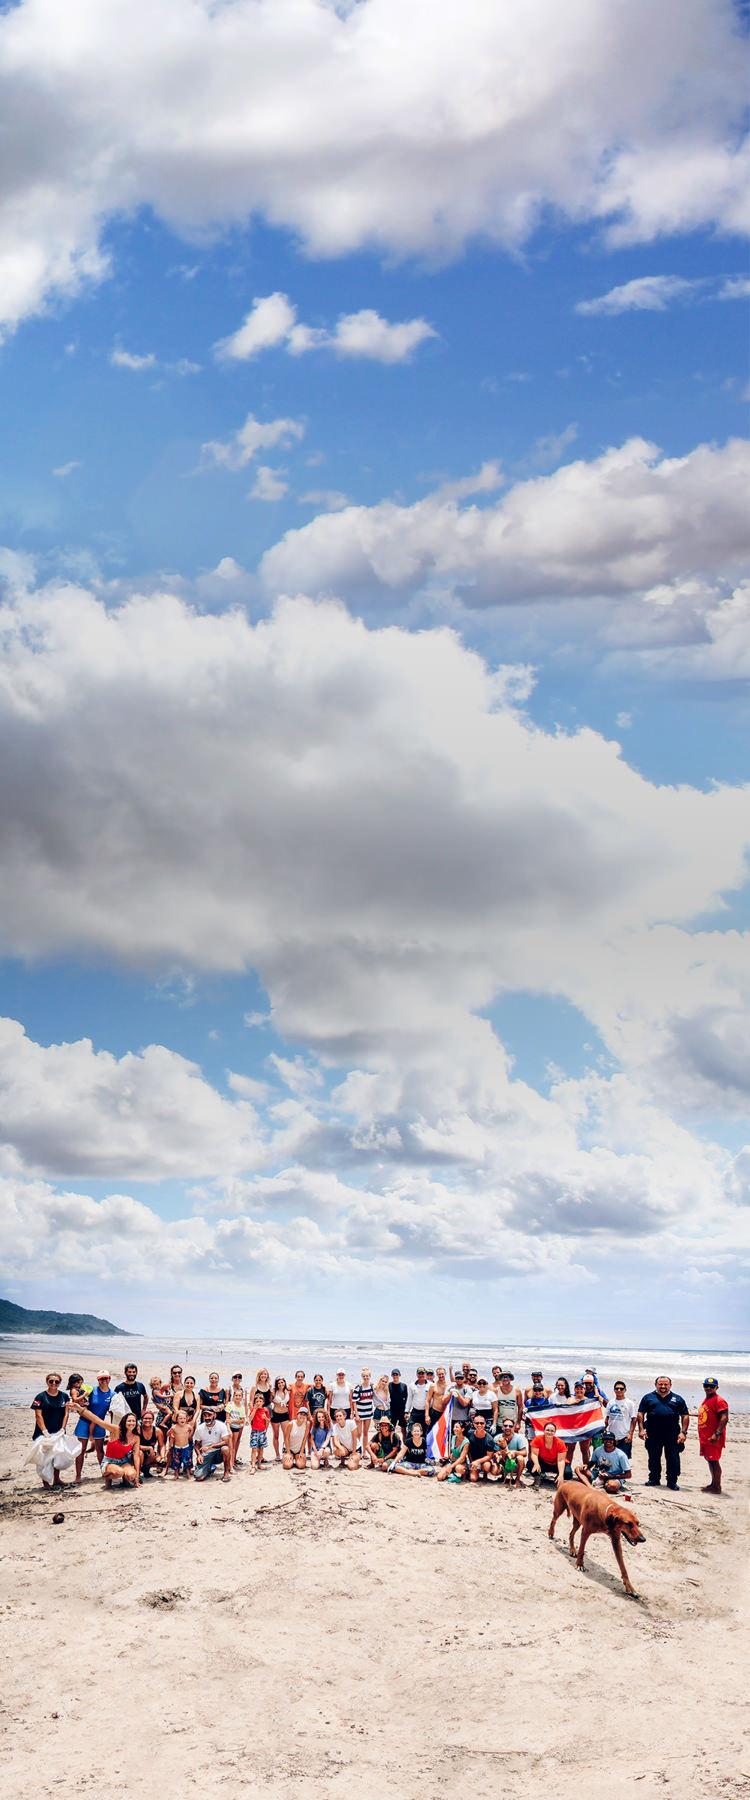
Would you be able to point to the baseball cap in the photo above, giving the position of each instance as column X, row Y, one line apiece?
column 101, row 1373
column 710, row 1381
column 395, row 1371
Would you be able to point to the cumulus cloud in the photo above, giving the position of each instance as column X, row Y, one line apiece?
column 661, row 533
column 269, row 484
column 251, row 437
column 361, row 125
column 272, row 321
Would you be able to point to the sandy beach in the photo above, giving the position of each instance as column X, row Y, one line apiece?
column 337, row 1634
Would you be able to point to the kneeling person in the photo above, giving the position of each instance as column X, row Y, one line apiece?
column 211, row 1443
column 511, row 1448
column 344, row 1441
column 295, row 1449
column 609, row 1465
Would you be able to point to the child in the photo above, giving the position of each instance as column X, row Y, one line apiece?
column 259, row 1422
column 181, row 1445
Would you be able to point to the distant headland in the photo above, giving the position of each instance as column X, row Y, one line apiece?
column 56, row 1324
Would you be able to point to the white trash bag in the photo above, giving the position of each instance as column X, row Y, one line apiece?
column 50, row 1453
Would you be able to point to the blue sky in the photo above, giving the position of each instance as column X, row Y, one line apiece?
column 374, row 698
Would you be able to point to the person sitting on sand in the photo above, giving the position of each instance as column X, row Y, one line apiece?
column 384, row 1445
column 180, row 1445
column 122, row 1456
column 320, row 1440
column 344, row 1441
column 211, row 1444
column 479, row 1451
column 295, row 1452
column 511, row 1449
column 608, row 1467
column 454, row 1469
column 260, row 1419
column 412, row 1457
column 549, row 1457
column 151, row 1457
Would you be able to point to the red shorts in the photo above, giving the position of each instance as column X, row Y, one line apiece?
column 712, row 1452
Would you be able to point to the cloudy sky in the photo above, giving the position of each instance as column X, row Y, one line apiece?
column 375, row 636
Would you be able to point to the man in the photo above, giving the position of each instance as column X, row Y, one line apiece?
column 511, row 1450
column 462, row 1394
column 549, row 1458
column 712, row 1431
column 509, row 1399
column 417, row 1400
column 591, row 1391
column 609, row 1465
column 663, row 1420
column 398, row 1394
column 536, row 1396
column 479, row 1453
column 133, row 1390
column 211, row 1443
column 620, row 1418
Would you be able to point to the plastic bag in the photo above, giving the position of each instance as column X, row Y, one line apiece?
column 50, row 1453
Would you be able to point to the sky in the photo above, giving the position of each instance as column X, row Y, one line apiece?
column 375, row 639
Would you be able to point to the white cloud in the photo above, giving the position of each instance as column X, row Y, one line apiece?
column 273, row 321
column 736, row 287
column 410, row 130
column 125, row 359
column 268, row 323
column 253, row 436
column 329, row 498
column 269, row 484
column 647, row 293
column 66, row 469
column 629, row 526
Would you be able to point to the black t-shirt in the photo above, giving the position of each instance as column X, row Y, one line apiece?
column 398, row 1391
column 416, row 1453
column 663, row 1415
column 316, row 1399
column 479, row 1447
column 216, row 1400
column 52, row 1407
column 135, row 1394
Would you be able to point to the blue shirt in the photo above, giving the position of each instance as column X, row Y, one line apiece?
column 610, row 1462
column 664, row 1414
column 99, row 1402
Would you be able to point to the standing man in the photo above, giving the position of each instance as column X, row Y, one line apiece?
column 712, row 1431
column 134, row 1391
column 417, row 1401
column 663, row 1420
column 509, row 1400
column 621, row 1416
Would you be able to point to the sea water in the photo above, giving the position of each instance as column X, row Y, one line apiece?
column 638, row 1368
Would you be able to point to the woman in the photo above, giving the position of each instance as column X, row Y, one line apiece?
column 455, row 1468
column 214, row 1397
column 340, row 1397
column 297, row 1393
column 279, row 1410
column 236, row 1419
column 384, row 1445
column 560, row 1395
column 344, row 1441
column 320, row 1440
column 99, row 1402
column 316, row 1396
column 437, row 1398
column 186, row 1397
column 382, row 1400
column 51, row 1408
column 149, row 1443
column 412, row 1457
column 295, row 1447
column 122, row 1460
column 263, row 1387
column 363, row 1397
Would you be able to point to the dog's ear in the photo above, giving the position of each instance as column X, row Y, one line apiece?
column 613, row 1523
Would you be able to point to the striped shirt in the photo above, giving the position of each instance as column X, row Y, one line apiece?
column 364, row 1400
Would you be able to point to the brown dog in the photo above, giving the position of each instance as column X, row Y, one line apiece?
column 596, row 1512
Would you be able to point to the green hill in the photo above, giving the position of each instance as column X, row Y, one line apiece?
column 56, row 1324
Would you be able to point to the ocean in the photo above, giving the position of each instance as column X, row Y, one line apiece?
column 637, row 1367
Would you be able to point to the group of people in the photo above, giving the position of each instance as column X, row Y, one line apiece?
column 456, row 1425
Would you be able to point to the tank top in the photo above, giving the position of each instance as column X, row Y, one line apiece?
column 236, row 1412
column 507, row 1406
column 297, row 1435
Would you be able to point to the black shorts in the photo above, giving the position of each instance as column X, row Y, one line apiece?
column 280, row 1418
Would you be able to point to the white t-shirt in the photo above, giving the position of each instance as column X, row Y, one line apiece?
column 417, row 1401
column 344, row 1433
column 210, row 1437
column 340, row 1400
column 620, row 1416
column 484, row 1400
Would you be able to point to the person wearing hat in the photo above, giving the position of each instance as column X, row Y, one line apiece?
column 712, row 1431
column 398, row 1394
column 663, row 1420
column 416, row 1404
column 609, row 1466
column 100, row 1401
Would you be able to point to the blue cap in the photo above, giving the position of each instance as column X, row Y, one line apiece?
column 710, row 1381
